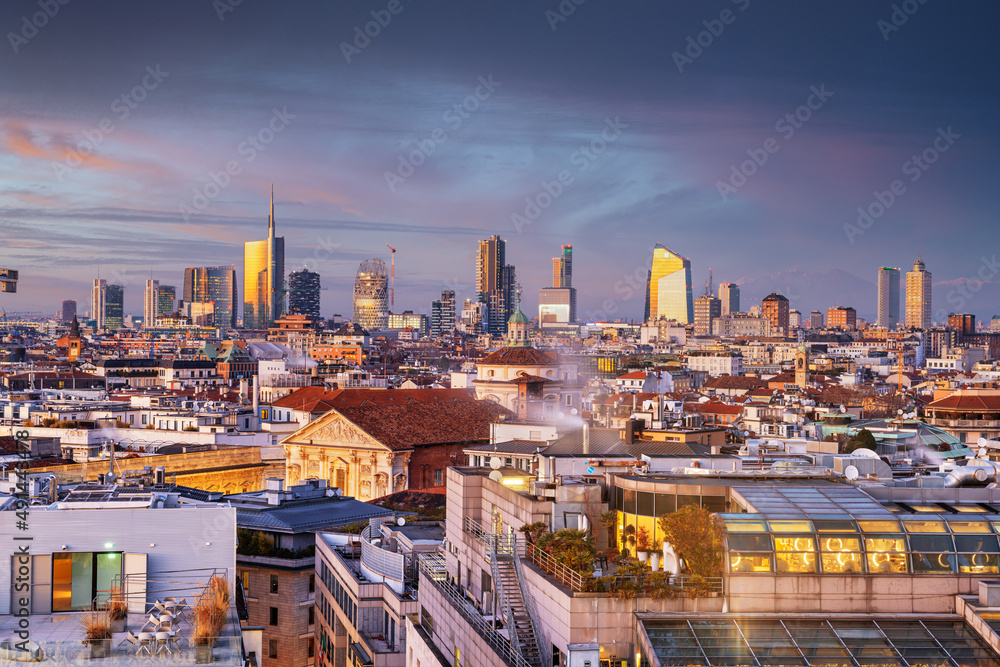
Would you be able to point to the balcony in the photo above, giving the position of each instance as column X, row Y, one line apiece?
column 977, row 424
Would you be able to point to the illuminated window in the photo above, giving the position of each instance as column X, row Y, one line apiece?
column 749, row 553
column 925, row 526
column 791, row 526
column 886, row 554
column 841, row 554
column 746, row 527
column 969, row 527
column 880, row 526
column 795, row 553
column 980, row 553
column 970, row 509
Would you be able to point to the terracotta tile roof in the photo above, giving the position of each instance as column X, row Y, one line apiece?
column 735, row 382
column 717, row 408
column 321, row 399
column 412, row 425
column 961, row 401
column 518, row 356
column 636, row 375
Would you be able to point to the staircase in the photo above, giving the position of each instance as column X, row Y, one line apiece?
column 513, row 599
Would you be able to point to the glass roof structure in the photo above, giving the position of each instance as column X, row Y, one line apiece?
column 795, row 642
column 844, row 531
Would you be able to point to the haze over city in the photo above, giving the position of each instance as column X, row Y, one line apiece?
column 446, row 123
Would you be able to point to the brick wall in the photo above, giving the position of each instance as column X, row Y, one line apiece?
column 292, row 601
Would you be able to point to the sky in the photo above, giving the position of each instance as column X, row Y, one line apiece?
column 787, row 146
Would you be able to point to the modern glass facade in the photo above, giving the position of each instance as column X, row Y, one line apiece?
column 888, row 297
column 264, row 278
column 640, row 509
column 371, row 295
column 215, row 285
column 669, row 288
column 77, row 578
column 303, row 293
column 114, row 307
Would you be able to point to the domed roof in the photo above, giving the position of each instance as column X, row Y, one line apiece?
column 518, row 318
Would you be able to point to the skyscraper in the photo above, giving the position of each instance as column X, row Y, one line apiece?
column 669, row 291
column 557, row 304
column 150, row 303
column 165, row 299
column 114, row 307
column 264, row 278
column 98, row 293
column 68, row 310
column 303, row 293
column 729, row 294
column 707, row 309
column 794, row 319
column 443, row 314
column 215, row 285
column 918, row 296
column 371, row 295
column 888, row 298
column 495, row 281
column 815, row 320
column 775, row 308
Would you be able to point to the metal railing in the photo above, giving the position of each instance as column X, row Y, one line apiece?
column 529, row 605
column 550, row 566
column 381, row 561
column 433, row 567
column 502, row 544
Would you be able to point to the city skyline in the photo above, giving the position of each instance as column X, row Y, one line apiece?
column 875, row 98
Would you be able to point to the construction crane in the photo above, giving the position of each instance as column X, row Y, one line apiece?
column 392, row 289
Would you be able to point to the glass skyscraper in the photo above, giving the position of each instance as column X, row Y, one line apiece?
column 918, row 296
column 888, row 298
column 669, row 292
column 216, row 285
column 264, row 278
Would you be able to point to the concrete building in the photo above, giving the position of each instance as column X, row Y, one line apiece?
column 841, row 317
column 741, row 324
column 816, row 320
column 775, row 308
column 888, row 298
column 729, row 294
column 918, row 296
column 706, row 309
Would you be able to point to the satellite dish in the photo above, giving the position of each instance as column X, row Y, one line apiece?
column 496, row 476
column 574, row 412
column 495, row 462
column 330, row 492
column 982, row 442
column 982, row 452
column 865, row 453
column 843, row 409
column 400, row 521
column 851, row 473
column 900, row 411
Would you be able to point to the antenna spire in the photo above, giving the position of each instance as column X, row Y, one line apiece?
column 270, row 218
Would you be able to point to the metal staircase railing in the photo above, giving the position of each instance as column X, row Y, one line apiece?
column 529, row 603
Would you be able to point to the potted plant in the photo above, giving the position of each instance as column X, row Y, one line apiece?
column 97, row 633
column 629, row 539
column 642, row 545
column 117, row 609
column 654, row 557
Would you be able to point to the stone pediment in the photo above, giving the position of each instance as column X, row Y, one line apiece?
column 332, row 430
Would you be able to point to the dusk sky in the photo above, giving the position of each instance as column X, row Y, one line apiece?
column 642, row 122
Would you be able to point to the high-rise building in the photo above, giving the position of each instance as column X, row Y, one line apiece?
column 557, row 304
column 150, row 302
column 918, row 296
column 410, row 320
column 841, row 317
column 303, row 293
column 815, row 320
column 707, row 309
column 495, row 280
column 264, row 278
column 68, row 311
column 668, row 292
column 964, row 325
column 794, row 319
column 98, row 293
column 888, row 298
column 165, row 299
column 775, row 308
column 729, row 294
column 371, row 295
column 443, row 314
column 114, row 307
column 216, row 285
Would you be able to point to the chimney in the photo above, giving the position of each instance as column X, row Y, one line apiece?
column 586, row 439
column 159, row 476
column 256, row 387
column 273, row 489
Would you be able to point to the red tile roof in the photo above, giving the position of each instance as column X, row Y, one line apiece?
column 735, row 382
column 636, row 375
column 518, row 356
column 406, row 426
column 321, row 399
column 962, row 401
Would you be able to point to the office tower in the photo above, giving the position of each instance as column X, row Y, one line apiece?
column 775, row 308
column 841, row 317
column 68, row 311
column 165, row 299
column 794, row 319
column 729, row 295
column 215, row 285
column 371, row 295
column 888, row 298
column 815, row 320
column 557, row 304
column 918, row 296
column 964, row 325
column 303, row 293
column 264, row 278
column 995, row 324
column 114, row 307
column 562, row 268
column 443, row 314
column 707, row 309
column 410, row 320
column 150, row 302
column 97, row 295
column 495, row 281
column 668, row 292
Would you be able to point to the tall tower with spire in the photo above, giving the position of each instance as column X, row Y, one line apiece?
column 264, row 277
